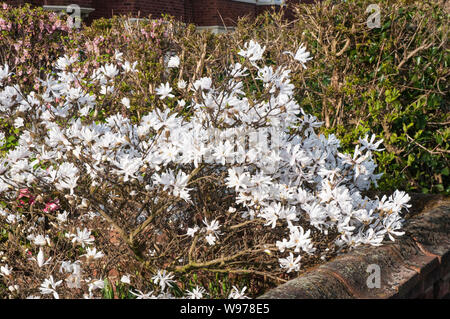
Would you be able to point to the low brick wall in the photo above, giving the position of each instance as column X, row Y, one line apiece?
column 417, row 265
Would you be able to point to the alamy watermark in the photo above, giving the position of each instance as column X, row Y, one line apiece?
column 256, row 144
column 374, row 20
column 74, row 15
column 374, row 279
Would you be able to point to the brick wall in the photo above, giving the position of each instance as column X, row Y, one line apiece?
column 180, row 9
column 200, row 12
column 14, row 2
column 81, row 3
column 108, row 8
column 230, row 11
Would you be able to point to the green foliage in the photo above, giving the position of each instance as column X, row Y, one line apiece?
column 120, row 291
column 390, row 81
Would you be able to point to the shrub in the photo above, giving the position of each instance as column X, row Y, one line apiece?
column 237, row 183
column 150, row 43
column 388, row 81
column 31, row 39
column 204, row 166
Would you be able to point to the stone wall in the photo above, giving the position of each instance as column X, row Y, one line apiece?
column 417, row 265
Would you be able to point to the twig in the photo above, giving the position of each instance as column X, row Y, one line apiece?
column 247, row 271
column 439, row 150
column 411, row 54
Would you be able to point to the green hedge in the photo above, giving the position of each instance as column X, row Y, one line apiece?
column 391, row 81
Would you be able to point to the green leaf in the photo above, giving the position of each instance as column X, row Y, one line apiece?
column 410, row 159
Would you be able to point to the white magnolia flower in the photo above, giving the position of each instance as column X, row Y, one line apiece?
column 125, row 279
column 213, row 227
column 107, row 89
column 49, row 287
column 237, row 294
column 4, row 72
column 300, row 240
column 118, row 55
column 62, row 217
column 211, row 239
column 164, row 91
column 64, row 62
column 400, row 200
column 70, row 267
column 18, row 122
column 182, row 84
column 191, row 231
column 174, row 62
column 237, row 179
column 109, row 70
column 140, row 295
column 196, row 293
column 163, row 279
column 370, row 145
column 5, row 271
column 253, row 51
column 41, row 259
column 82, row 237
column 290, row 263
column 126, row 102
column 2, row 139
column 73, row 281
column 92, row 253
column 41, row 240
column 128, row 67
column 392, row 225
column 301, row 55
column 95, row 284
column 203, row 84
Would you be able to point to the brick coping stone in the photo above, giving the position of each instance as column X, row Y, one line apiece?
column 416, row 265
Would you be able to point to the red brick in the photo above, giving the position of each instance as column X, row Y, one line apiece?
column 199, row 12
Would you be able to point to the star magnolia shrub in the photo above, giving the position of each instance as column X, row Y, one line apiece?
column 240, row 183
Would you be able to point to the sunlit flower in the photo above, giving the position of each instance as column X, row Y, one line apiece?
column 290, row 263
column 237, row 294
column 5, row 271
column 163, row 279
column 49, row 287
column 164, row 91
column 82, row 237
column 196, row 293
column 41, row 259
column 174, row 62
column 92, row 253
column 301, row 55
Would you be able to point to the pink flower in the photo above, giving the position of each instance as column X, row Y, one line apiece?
column 52, row 206
column 25, row 193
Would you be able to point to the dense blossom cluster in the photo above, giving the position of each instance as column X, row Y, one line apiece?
column 275, row 164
